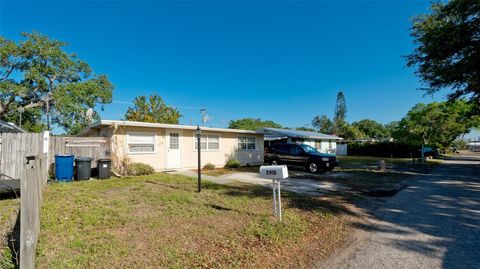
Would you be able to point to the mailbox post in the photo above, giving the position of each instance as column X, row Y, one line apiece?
column 276, row 173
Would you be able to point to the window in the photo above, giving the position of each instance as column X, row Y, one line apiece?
column 141, row 142
column 208, row 142
column 285, row 149
column 174, row 141
column 213, row 142
column 295, row 150
column 308, row 149
column 246, row 142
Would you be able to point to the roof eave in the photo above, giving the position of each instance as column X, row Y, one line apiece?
column 91, row 126
column 161, row 125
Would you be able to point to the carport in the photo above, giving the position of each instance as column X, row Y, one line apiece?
column 322, row 142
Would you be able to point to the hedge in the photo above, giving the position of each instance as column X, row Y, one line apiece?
column 384, row 149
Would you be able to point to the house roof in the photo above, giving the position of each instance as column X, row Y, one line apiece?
column 275, row 133
column 8, row 127
column 105, row 123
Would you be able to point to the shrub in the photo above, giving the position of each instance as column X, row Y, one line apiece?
column 139, row 169
column 209, row 166
column 232, row 163
column 384, row 149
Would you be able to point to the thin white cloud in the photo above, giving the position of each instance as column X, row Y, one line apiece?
column 123, row 102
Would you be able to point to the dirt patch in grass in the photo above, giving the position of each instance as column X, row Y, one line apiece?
column 8, row 215
column 159, row 221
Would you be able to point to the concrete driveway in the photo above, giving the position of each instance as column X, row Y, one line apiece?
column 298, row 185
column 433, row 223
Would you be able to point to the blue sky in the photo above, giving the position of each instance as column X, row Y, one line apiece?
column 281, row 61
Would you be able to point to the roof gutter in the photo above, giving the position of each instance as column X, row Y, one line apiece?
column 160, row 125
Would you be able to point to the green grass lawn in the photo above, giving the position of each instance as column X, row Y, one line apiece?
column 159, row 221
column 8, row 213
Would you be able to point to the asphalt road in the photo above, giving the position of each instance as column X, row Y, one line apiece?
column 433, row 223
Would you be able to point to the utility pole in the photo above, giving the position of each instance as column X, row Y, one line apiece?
column 20, row 110
column 47, row 108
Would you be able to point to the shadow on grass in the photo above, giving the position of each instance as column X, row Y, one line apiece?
column 13, row 242
column 292, row 200
column 218, row 207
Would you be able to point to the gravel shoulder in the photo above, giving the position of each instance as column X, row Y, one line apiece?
column 433, row 223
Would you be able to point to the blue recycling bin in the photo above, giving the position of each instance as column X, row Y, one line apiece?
column 64, row 167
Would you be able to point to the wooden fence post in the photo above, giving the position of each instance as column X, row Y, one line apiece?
column 46, row 148
column 31, row 196
column 28, row 205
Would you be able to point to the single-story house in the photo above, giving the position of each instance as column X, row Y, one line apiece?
column 172, row 146
column 322, row 142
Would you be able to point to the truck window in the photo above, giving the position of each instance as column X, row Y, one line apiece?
column 295, row 150
column 284, row 149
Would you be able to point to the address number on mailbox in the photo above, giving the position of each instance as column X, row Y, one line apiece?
column 274, row 171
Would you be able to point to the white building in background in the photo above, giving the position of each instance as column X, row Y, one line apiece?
column 9, row 127
column 322, row 142
column 473, row 145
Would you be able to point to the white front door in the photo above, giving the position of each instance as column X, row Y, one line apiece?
column 174, row 156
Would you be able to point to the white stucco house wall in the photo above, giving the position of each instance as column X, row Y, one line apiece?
column 173, row 146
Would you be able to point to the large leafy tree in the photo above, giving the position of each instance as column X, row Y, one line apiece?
column 348, row 131
column 447, row 53
column 152, row 109
column 323, row 124
column 391, row 127
column 436, row 124
column 252, row 124
column 41, row 85
column 371, row 128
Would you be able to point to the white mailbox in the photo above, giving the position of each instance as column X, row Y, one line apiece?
column 274, row 171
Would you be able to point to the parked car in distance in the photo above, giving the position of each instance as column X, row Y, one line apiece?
column 300, row 155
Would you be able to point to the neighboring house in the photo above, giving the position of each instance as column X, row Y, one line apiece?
column 322, row 142
column 8, row 127
column 473, row 145
column 170, row 146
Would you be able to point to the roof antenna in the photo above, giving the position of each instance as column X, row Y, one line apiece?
column 89, row 115
column 205, row 117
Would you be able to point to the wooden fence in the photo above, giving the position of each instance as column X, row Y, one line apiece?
column 31, row 196
column 25, row 159
column 93, row 147
column 14, row 147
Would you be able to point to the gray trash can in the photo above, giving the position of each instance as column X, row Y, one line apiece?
column 103, row 168
column 83, row 167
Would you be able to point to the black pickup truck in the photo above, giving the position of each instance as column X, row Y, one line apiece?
column 300, row 155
